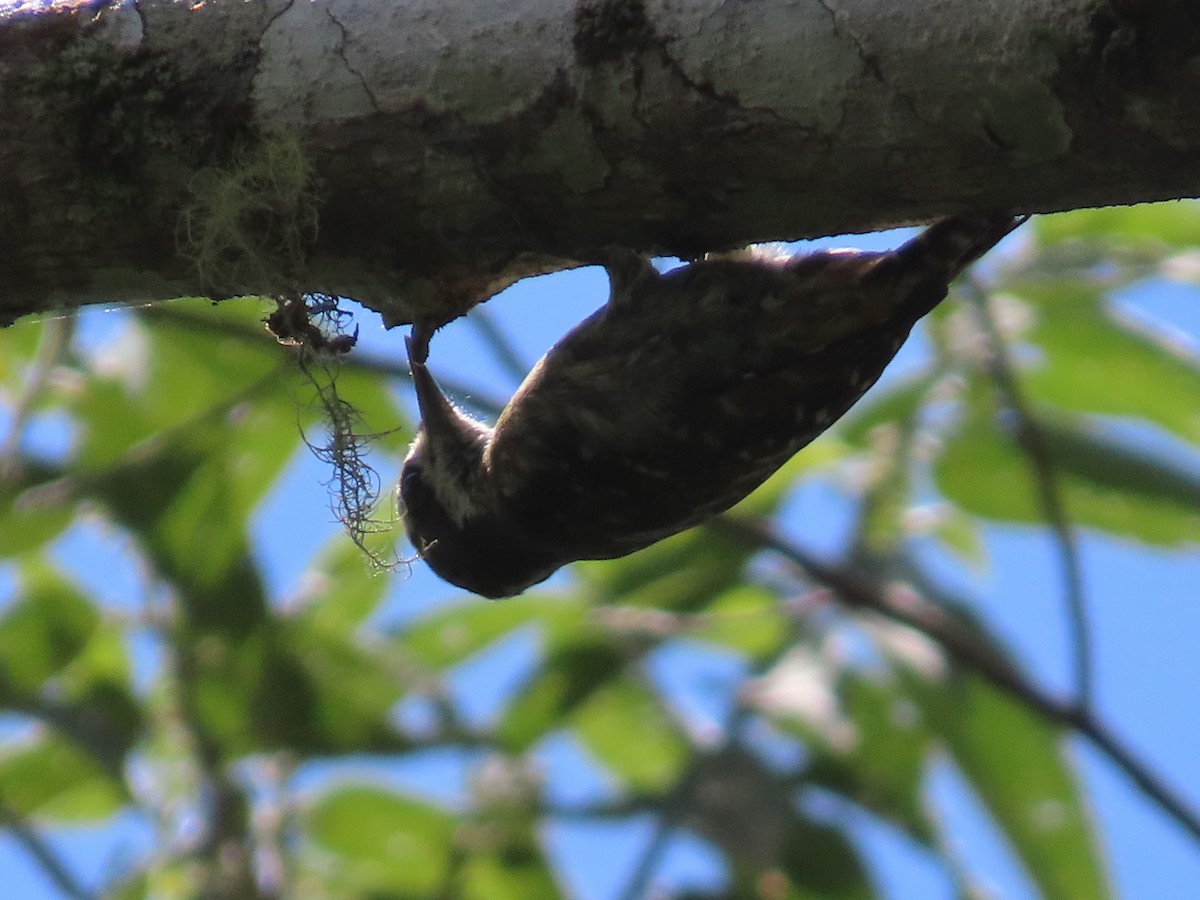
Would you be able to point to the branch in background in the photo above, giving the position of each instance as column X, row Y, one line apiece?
column 498, row 342
column 859, row 591
column 1032, row 439
column 392, row 367
column 674, row 806
column 670, row 815
column 224, row 851
column 37, row 847
column 55, row 340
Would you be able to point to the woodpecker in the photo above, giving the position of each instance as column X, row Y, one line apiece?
column 667, row 405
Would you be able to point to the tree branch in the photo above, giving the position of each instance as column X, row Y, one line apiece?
column 672, row 808
column 1032, row 438
column 861, row 592
column 249, row 144
column 55, row 341
column 500, row 345
column 362, row 361
column 37, row 847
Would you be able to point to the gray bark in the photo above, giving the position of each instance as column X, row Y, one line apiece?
column 428, row 152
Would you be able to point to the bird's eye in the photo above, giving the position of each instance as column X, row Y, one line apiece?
column 412, row 486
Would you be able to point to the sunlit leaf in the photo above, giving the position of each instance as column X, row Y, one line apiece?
column 1107, row 484
column 341, row 588
column 1176, row 224
column 507, row 875
column 48, row 625
column 568, row 677
column 382, row 841
column 177, row 501
column 959, row 534
column 627, row 729
column 683, row 572
column 18, row 344
column 880, row 762
column 745, row 618
column 1094, row 360
column 452, row 633
column 199, row 356
column 1020, row 768
column 32, row 512
column 52, row 779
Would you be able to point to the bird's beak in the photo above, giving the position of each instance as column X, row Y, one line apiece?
column 438, row 415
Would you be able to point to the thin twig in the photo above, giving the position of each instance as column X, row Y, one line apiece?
column 668, row 821
column 55, row 339
column 37, row 847
column 394, row 367
column 502, row 348
column 858, row 590
column 1147, row 782
column 674, row 806
column 1032, row 438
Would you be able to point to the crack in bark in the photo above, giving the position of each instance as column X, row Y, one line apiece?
column 258, row 53
column 341, row 52
column 869, row 61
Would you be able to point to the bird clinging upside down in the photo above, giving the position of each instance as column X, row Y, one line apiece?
column 666, row 406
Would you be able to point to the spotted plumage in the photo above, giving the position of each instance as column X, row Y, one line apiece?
column 666, row 406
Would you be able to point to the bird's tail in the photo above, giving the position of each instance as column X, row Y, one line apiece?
column 948, row 246
column 925, row 265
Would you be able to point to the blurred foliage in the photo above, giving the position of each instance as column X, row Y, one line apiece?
column 188, row 693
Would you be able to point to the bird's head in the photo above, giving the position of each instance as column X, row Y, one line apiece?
column 451, row 510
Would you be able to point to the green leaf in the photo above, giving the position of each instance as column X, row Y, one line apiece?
column 1098, row 362
column 18, row 345
column 958, row 533
column 1019, row 766
column 510, row 874
column 455, row 632
column 342, row 588
column 568, row 677
column 822, row 864
column 32, row 513
column 881, row 765
column 626, row 728
column 193, row 367
column 352, row 692
column 1107, row 484
column 104, row 719
column 684, row 572
column 745, row 618
column 111, row 423
column 1176, row 224
column 171, row 377
column 269, row 691
column 47, row 626
column 175, row 497
column 382, row 841
column 52, row 779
